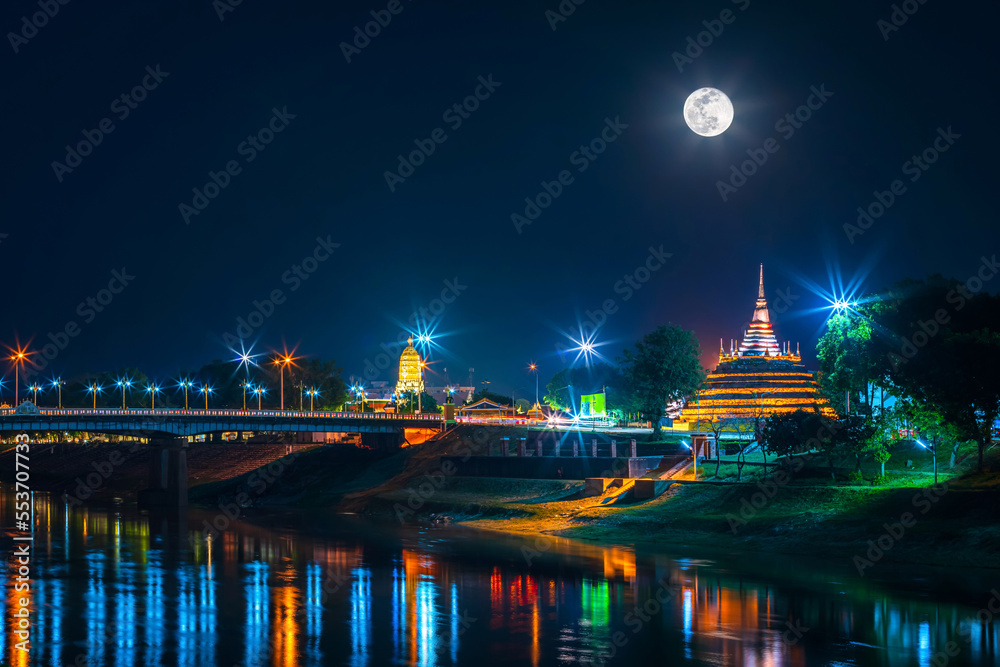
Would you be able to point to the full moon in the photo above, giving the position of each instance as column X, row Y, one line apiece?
column 708, row 112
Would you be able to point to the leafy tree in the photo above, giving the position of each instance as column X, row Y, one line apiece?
column 428, row 404
column 942, row 344
column 848, row 361
column 592, row 379
column 786, row 434
column 557, row 390
column 663, row 368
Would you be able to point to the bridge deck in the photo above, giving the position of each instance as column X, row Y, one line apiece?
column 179, row 422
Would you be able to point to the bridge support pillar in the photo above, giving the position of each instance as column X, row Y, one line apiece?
column 382, row 441
column 167, row 474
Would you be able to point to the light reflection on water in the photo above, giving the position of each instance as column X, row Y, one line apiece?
column 123, row 588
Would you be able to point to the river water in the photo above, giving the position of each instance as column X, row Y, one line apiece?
column 116, row 586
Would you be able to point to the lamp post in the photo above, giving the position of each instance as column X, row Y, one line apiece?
column 312, row 395
column 58, row 384
column 185, row 385
column 933, row 450
column 34, row 388
column 152, row 390
column 95, row 390
column 123, row 384
column 281, row 362
column 244, row 385
column 302, row 391
column 18, row 358
column 259, row 391
column 205, row 389
column 534, row 369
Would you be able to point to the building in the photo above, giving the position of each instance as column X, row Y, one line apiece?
column 485, row 409
column 411, row 371
column 758, row 378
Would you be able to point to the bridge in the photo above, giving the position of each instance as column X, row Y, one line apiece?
column 173, row 422
column 167, row 430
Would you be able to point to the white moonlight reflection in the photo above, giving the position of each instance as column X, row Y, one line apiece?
column 708, row 112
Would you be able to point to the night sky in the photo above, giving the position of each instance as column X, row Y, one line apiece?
column 548, row 93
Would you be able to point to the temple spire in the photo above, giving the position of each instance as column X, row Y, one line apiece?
column 760, row 289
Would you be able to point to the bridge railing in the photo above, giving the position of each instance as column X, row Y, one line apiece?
column 178, row 412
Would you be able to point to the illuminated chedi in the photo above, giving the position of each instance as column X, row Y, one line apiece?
column 411, row 378
column 758, row 378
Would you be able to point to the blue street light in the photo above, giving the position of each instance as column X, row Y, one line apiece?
column 206, row 390
column 153, row 390
column 123, row 383
column 185, row 384
column 95, row 389
column 259, row 391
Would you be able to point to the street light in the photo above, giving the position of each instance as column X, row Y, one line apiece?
column 245, row 386
column 313, row 393
column 259, row 391
column 933, row 451
column 246, row 359
column 206, row 390
column 123, row 384
column 534, row 369
column 94, row 389
column 185, row 384
column 34, row 388
column 58, row 384
column 18, row 356
column 281, row 362
column 153, row 390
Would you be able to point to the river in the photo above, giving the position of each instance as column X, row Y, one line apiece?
column 118, row 586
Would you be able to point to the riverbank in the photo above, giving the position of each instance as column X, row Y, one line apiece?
column 958, row 524
column 806, row 515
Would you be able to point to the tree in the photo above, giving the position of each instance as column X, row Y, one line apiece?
column 564, row 389
column 942, row 347
column 428, row 404
column 663, row 368
column 795, row 433
column 848, row 361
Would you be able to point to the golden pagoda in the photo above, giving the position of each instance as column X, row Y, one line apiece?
column 411, row 377
column 758, row 378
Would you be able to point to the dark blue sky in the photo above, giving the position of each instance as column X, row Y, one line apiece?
column 323, row 176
